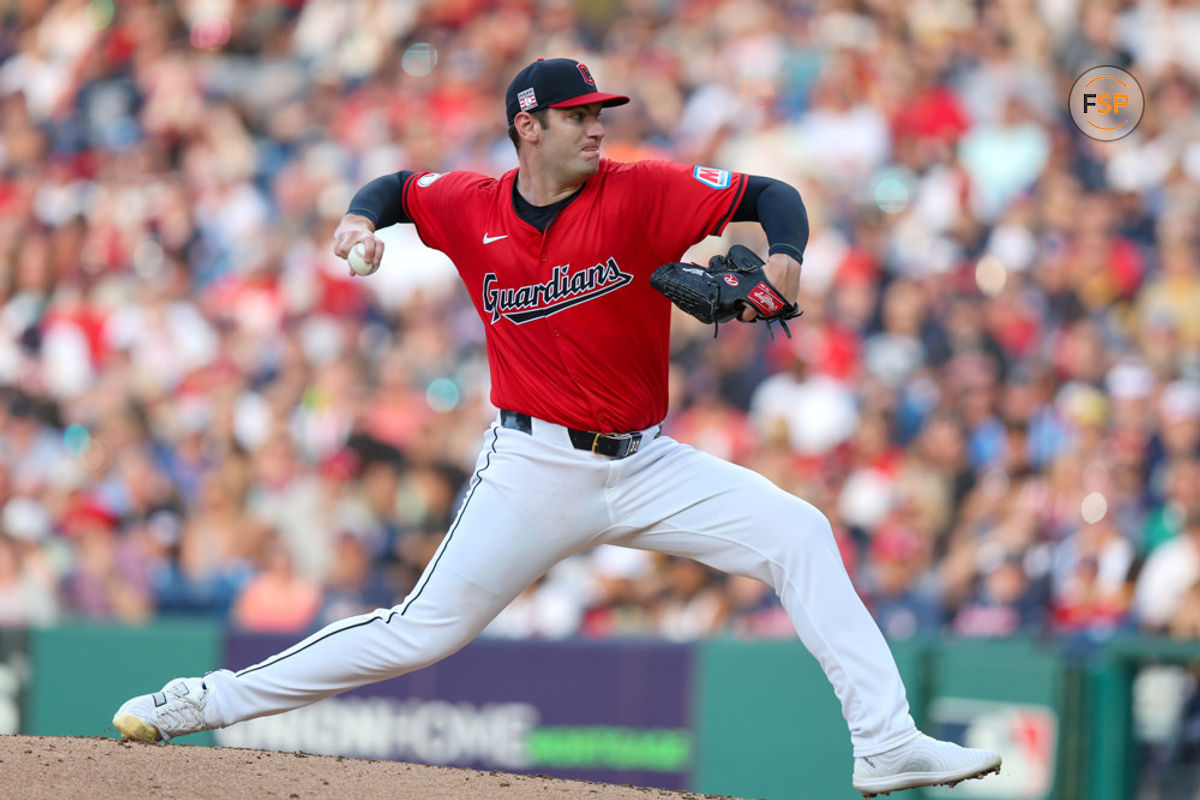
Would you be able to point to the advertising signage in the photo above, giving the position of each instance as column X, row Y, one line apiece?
column 616, row 712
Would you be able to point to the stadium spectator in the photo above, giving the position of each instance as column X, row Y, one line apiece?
column 1168, row 576
column 896, row 584
column 1002, row 602
column 277, row 599
column 28, row 579
column 1182, row 500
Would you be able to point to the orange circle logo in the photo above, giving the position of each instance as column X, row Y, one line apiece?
column 1106, row 103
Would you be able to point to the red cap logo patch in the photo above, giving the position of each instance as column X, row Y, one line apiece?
column 587, row 76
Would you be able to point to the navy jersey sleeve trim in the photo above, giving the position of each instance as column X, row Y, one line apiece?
column 408, row 181
column 733, row 207
column 382, row 200
column 778, row 207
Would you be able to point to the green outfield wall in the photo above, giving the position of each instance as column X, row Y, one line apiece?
column 81, row 673
column 769, row 725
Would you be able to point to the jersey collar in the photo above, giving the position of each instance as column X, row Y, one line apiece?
column 510, row 177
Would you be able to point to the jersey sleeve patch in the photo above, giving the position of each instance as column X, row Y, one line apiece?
column 711, row 176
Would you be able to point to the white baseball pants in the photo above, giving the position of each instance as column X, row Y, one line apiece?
column 534, row 500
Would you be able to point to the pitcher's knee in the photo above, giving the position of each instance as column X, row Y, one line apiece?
column 801, row 519
column 804, row 528
column 815, row 521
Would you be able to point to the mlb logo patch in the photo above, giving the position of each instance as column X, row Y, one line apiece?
column 711, row 176
column 526, row 99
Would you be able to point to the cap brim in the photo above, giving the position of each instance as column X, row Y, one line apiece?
column 608, row 100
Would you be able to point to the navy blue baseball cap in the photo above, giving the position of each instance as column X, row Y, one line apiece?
column 555, row 83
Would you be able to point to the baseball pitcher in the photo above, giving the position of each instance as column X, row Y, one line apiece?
column 572, row 262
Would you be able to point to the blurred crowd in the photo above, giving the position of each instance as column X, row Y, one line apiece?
column 994, row 391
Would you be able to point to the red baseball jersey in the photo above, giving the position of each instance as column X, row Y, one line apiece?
column 575, row 333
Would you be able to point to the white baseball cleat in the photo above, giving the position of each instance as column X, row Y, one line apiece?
column 924, row 761
column 178, row 709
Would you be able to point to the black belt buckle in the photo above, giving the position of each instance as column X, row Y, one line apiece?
column 615, row 445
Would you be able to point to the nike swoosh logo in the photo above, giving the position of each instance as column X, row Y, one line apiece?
column 489, row 239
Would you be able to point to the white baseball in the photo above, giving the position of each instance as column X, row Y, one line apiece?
column 358, row 260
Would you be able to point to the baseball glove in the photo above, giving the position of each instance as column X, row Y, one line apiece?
column 718, row 294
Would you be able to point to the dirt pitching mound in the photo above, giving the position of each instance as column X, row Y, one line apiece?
column 69, row 767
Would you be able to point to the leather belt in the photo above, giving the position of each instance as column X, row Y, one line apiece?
column 612, row 445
